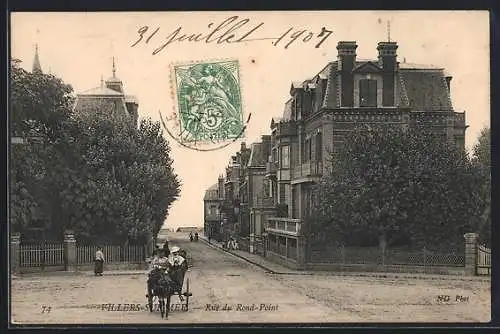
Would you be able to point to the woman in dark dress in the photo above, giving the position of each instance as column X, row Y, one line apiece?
column 99, row 262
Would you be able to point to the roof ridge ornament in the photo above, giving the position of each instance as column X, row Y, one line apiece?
column 114, row 68
column 389, row 31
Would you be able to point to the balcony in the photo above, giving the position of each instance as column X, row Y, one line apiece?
column 288, row 226
column 286, row 129
column 308, row 169
column 271, row 168
column 459, row 119
column 212, row 217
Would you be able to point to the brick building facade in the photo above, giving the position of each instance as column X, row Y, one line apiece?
column 345, row 94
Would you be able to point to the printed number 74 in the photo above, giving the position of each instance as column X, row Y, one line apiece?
column 46, row 309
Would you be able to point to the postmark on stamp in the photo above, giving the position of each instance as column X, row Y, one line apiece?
column 208, row 102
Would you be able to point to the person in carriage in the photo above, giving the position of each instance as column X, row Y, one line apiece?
column 159, row 261
column 177, row 268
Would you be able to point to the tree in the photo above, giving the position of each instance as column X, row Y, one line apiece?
column 128, row 184
column 91, row 171
column 39, row 103
column 389, row 186
column 481, row 157
column 40, row 106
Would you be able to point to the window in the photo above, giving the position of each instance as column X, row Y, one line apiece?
column 319, row 146
column 309, row 149
column 285, row 157
column 306, row 153
column 367, row 93
column 295, row 203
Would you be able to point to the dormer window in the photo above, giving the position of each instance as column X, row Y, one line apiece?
column 368, row 92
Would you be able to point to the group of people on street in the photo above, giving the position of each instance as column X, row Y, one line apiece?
column 193, row 237
column 232, row 244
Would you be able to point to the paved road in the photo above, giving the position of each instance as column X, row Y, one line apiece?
column 218, row 279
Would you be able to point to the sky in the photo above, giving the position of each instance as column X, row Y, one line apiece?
column 78, row 47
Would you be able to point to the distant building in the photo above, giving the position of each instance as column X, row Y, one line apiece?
column 211, row 212
column 37, row 68
column 187, row 229
column 110, row 98
column 260, row 199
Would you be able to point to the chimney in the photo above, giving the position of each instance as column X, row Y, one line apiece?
column 448, row 82
column 387, row 60
column 266, row 144
column 346, row 63
column 243, row 147
column 220, row 188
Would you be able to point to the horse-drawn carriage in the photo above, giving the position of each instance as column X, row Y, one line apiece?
column 165, row 282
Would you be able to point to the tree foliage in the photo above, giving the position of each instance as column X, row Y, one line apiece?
column 97, row 174
column 390, row 186
column 481, row 157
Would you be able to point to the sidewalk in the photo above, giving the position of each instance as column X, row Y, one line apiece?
column 269, row 266
column 78, row 273
column 277, row 269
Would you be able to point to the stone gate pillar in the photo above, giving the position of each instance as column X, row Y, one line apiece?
column 70, row 260
column 301, row 252
column 470, row 253
column 15, row 253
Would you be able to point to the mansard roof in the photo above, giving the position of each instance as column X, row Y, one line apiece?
column 101, row 91
column 209, row 193
column 422, row 86
column 258, row 156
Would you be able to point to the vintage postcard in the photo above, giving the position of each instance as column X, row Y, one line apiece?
column 308, row 167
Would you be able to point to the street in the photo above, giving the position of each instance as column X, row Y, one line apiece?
column 227, row 289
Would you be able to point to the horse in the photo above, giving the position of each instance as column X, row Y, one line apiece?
column 159, row 285
column 164, row 284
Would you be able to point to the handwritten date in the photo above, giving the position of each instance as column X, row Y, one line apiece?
column 232, row 30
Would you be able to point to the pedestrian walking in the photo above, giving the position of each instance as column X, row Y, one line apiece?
column 99, row 262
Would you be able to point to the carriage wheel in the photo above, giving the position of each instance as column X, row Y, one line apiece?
column 187, row 294
column 161, row 301
column 167, row 308
column 150, row 303
column 150, row 300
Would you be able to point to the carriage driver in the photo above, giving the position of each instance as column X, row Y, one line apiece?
column 159, row 259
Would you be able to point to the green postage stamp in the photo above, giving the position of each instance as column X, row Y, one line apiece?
column 209, row 101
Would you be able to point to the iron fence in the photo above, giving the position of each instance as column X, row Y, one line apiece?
column 112, row 253
column 42, row 255
column 373, row 255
